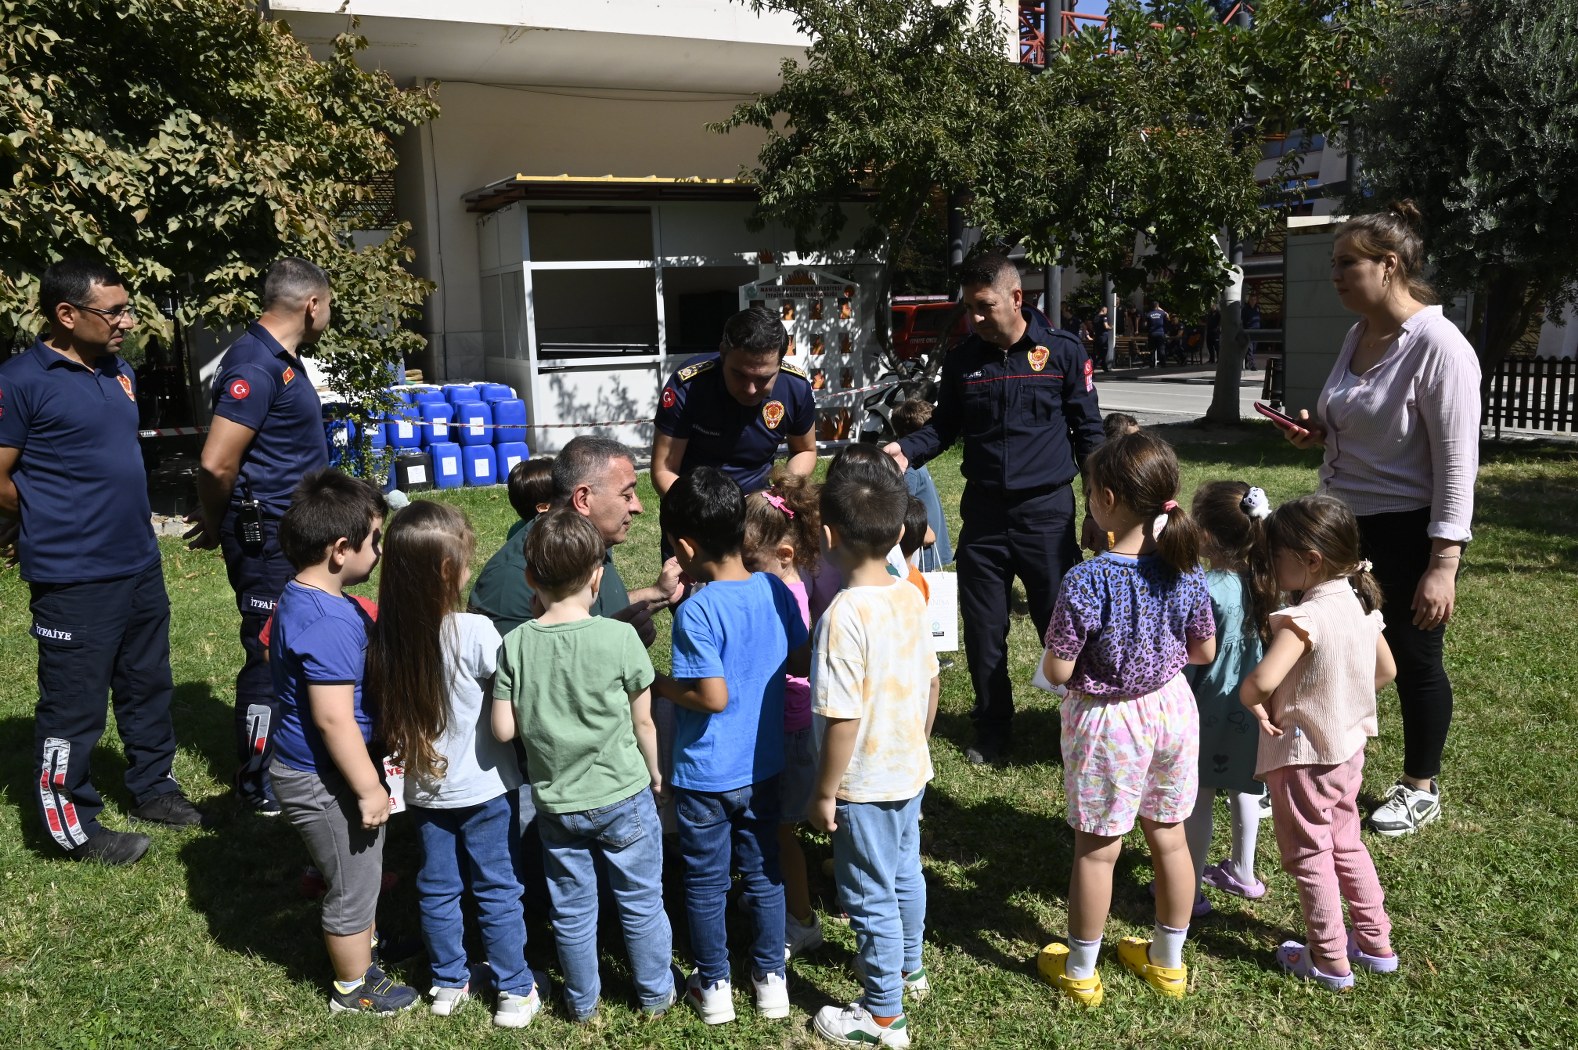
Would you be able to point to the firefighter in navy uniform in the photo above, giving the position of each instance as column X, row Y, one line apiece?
column 71, row 471
column 265, row 435
column 733, row 409
column 1022, row 397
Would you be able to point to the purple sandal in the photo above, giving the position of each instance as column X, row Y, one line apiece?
column 1200, row 907
column 1374, row 963
column 1221, row 877
column 1296, row 960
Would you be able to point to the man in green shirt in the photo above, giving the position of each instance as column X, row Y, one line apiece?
column 596, row 477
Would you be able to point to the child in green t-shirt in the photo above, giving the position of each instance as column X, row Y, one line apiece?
column 575, row 689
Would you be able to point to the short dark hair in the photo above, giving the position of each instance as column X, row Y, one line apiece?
column 563, row 549
column 530, row 484
column 866, row 507
column 755, row 331
column 72, row 280
column 706, row 507
column 863, row 459
column 583, row 461
column 326, row 506
column 1116, row 424
column 911, row 415
column 293, row 280
column 993, row 268
column 915, row 526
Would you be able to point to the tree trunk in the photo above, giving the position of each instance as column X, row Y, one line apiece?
column 1230, row 359
column 1511, row 302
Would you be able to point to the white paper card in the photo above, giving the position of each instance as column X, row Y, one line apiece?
column 394, row 776
column 942, row 610
column 416, row 475
column 1039, row 680
column 449, row 466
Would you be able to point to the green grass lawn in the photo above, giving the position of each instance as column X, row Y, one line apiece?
column 207, row 942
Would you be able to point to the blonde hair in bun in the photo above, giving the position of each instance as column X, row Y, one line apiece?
column 1393, row 231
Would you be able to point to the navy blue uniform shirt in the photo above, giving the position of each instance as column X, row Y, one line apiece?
column 263, row 386
column 1023, row 413
column 1156, row 322
column 80, row 476
column 740, row 440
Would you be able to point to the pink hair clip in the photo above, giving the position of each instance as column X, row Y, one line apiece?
column 779, row 502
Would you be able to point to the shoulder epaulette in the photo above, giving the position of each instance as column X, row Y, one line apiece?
column 690, row 372
column 793, row 369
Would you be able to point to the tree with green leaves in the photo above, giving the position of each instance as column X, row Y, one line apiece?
column 189, row 143
column 1479, row 125
column 1148, row 129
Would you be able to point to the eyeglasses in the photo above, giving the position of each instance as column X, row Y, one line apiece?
column 115, row 316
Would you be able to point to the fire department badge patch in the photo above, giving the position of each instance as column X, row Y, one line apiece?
column 1038, row 358
column 287, row 375
column 773, row 414
column 1090, row 375
column 127, row 386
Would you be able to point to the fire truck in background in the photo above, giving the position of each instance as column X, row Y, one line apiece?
column 922, row 328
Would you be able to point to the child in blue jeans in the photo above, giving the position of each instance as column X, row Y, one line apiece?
column 874, row 694
column 732, row 644
column 574, row 688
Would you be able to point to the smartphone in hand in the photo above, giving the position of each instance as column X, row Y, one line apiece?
column 1282, row 419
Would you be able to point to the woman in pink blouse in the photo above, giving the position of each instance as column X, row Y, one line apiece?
column 1399, row 421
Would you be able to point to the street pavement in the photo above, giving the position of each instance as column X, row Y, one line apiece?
column 1169, row 395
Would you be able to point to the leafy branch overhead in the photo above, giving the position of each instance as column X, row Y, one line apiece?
column 1153, row 127
column 1479, row 125
column 190, row 143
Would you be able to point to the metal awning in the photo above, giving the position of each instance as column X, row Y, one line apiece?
column 496, row 195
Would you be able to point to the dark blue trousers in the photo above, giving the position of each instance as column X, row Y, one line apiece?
column 1005, row 535
column 258, row 580
column 109, row 637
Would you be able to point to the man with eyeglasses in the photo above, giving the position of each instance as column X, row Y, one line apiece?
column 70, row 470
column 265, row 436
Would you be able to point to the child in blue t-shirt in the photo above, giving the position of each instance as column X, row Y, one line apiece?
column 733, row 642
column 908, row 418
column 327, row 781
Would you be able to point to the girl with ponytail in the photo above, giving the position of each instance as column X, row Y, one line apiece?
column 1314, row 697
column 1124, row 626
column 1231, row 516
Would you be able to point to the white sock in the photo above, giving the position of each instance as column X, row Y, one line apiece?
column 1197, row 831
column 1246, row 833
column 1167, row 946
column 1082, row 955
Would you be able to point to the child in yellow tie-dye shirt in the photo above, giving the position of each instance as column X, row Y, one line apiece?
column 874, row 695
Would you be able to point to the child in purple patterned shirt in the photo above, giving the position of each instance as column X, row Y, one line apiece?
column 1125, row 624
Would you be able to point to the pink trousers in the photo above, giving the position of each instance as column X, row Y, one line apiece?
column 1315, row 810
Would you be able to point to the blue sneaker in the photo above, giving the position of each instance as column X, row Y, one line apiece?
column 377, row 994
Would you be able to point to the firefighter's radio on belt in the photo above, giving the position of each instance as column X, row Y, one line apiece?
column 249, row 523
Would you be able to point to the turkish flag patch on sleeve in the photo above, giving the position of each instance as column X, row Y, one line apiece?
column 1090, row 376
column 239, row 389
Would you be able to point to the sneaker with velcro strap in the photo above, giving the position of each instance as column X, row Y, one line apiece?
column 377, row 994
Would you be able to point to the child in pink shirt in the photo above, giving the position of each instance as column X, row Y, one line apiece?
column 1314, row 697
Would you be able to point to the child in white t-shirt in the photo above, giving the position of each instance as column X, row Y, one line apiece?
column 874, row 694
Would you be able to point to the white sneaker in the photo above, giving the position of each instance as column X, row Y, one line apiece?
column 772, row 995
column 916, row 985
column 800, row 938
column 516, row 1011
column 714, row 1002
column 852, row 1025
column 1406, row 810
column 447, row 1000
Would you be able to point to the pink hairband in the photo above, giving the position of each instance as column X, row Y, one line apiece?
column 779, row 502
